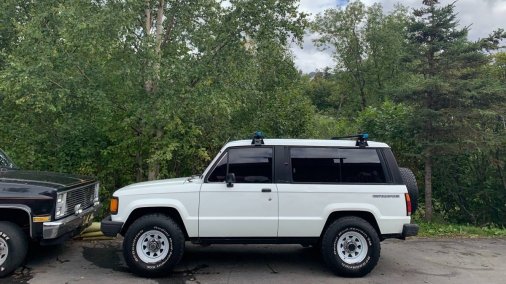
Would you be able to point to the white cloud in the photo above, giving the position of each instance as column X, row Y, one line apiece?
column 314, row 7
column 309, row 58
column 483, row 16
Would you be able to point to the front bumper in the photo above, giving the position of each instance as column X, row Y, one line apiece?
column 110, row 228
column 409, row 230
column 70, row 224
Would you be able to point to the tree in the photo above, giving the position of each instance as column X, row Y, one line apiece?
column 367, row 44
column 136, row 90
column 446, row 89
column 341, row 28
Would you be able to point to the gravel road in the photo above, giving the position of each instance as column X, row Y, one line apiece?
column 413, row 261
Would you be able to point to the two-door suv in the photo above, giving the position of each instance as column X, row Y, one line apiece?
column 341, row 196
column 42, row 207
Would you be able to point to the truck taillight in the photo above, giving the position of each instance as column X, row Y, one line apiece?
column 408, row 204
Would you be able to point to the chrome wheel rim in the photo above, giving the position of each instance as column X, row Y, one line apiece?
column 352, row 247
column 4, row 251
column 153, row 246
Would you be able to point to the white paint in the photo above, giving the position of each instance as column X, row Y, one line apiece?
column 239, row 211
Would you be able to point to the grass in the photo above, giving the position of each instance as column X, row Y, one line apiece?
column 435, row 229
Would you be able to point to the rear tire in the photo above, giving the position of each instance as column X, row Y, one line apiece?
column 13, row 247
column 351, row 247
column 409, row 180
column 153, row 245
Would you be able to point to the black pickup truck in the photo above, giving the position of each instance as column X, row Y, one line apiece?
column 44, row 207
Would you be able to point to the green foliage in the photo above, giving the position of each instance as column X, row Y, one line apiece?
column 326, row 127
column 447, row 230
column 414, row 81
column 100, row 88
column 106, row 88
column 367, row 45
column 393, row 123
column 449, row 92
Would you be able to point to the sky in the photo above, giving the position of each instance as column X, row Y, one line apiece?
column 483, row 16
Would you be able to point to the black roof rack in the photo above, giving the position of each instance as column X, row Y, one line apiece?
column 361, row 139
column 258, row 138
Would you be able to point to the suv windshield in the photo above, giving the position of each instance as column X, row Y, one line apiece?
column 5, row 161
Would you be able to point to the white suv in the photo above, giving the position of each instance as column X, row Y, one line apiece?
column 340, row 196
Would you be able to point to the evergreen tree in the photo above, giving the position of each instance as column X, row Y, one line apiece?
column 445, row 86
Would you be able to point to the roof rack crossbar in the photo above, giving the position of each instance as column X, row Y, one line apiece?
column 361, row 139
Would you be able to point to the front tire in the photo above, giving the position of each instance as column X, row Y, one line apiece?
column 13, row 247
column 351, row 247
column 153, row 245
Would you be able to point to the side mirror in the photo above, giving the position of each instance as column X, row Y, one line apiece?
column 230, row 179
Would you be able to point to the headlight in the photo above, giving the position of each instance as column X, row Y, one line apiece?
column 61, row 204
column 96, row 194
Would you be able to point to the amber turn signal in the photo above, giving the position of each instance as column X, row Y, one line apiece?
column 40, row 219
column 113, row 206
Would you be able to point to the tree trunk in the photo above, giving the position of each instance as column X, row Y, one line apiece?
column 428, row 187
column 154, row 166
column 151, row 85
column 363, row 100
column 139, row 171
column 147, row 30
column 500, row 170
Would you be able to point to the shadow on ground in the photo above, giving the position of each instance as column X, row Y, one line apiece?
column 214, row 260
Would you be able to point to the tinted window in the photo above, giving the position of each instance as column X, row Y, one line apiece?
column 251, row 165
column 361, row 166
column 315, row 164
column 333, row 165
column 220, row 170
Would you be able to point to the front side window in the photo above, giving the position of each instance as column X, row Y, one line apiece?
column 334, row 165
column 220, row 171
column 249, row 165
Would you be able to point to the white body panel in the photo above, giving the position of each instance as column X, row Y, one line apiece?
column 179, row 194
column 239, row 211
column 304, row 208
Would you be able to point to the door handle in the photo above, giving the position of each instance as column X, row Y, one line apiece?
column 266, row 190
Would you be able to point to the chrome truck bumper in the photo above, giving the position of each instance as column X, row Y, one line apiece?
column 55, row 229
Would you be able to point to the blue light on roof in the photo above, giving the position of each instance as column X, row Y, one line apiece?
column 259, row 134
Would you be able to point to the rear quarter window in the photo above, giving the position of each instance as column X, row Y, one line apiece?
column 361, row 166
column 336, row 165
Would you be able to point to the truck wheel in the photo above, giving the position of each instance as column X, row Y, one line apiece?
column 351, row 247
column 153, row 245
column 13, row 247
column 409, row 180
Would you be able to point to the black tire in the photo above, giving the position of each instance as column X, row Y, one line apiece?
column 409, row 180
column 340, row 231
column 165, row 227
column 15, row 245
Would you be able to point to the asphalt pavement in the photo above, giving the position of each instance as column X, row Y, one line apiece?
column 412, row 261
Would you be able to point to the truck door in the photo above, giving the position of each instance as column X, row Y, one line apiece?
column 249, row 208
